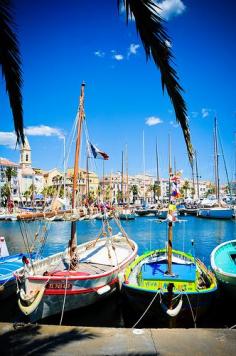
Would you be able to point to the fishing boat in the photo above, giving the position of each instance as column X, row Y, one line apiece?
column 8, row 266
column 172, row 284
column 126, row 214
column 223, row 263
column 82, row 274
column 220, row 210
column 169, row 283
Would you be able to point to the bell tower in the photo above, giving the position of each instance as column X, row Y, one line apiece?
column 25, row 155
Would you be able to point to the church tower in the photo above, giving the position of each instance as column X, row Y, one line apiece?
column 25, row 155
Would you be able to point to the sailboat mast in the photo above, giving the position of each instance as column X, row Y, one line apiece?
column 170, row 169
column 158, row 175
column 122, row 177
column 197, row 176
column 217, row 180
column 170, row 224
column 80, row 115
column 127, row 175
column 144, row 171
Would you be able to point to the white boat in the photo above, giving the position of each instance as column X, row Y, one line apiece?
column 82, row 274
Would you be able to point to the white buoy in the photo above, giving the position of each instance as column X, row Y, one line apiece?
column 3, row 247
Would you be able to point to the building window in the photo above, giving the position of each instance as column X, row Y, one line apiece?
column 27, row 158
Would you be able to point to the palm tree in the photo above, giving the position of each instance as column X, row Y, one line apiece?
column 134, row 190
column 10, row 172
column 153, row 35
column 10, row 62
column 186, row 187
column 149, row 25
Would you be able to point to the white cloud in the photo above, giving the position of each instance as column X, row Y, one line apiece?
column 168, row 9
column 8, row 139
column 99, row 53
column 133, row 48
column 153, row 120
column 118, row 57
column 205, row 112
column 43, row 130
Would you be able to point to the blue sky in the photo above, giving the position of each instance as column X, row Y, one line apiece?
column 65, row 42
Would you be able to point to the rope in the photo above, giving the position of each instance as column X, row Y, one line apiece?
column 158, row 292
column 64, row 302
column 194, row 317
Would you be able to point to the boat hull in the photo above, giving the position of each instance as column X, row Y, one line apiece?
column 50, row 290
column 127, row 216
column 188, row 290
column 215, row 213
column 223, row 263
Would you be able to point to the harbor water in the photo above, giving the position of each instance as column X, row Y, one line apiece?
column 191, row 234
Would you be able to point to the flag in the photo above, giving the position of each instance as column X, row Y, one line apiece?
column 97, row 153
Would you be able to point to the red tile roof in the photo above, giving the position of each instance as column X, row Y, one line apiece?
column 6, row 163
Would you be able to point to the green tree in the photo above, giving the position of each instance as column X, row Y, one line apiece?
column 186, row 187
column 134, row 190
column 5, row 194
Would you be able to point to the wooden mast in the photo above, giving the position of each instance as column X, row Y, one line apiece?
column 80, row 115
column 197, row 176
column 170, row 224
column 122, row 178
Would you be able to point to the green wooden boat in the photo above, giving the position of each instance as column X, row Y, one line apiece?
column 223, row 263
column 184, row 292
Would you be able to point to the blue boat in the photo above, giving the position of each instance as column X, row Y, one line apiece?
column 9, row 265
column 223, row 263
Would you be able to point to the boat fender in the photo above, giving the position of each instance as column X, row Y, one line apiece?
column 172, row 312
column 29, row 309
column 2, row 289
column 103, row 290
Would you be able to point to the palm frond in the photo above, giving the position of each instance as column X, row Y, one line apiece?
column 156, row 44
column 11, row 65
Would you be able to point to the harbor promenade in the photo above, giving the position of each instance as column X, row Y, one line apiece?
column 88, row 341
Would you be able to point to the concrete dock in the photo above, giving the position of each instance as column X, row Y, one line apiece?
column 87, row 341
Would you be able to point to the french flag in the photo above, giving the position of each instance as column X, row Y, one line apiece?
column 97, row 153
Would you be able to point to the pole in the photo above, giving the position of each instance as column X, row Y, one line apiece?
column 144, row 170
column 64, row 166
column 169, row 252
column 170, row 168
column 217, row 180
column 80, row 118
column 122, row 177
column 158, row 176
column 197, row 176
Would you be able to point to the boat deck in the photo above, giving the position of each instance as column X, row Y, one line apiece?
column 180, row 272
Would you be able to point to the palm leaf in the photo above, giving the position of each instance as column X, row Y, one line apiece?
column 155, row 42
column 11, row 66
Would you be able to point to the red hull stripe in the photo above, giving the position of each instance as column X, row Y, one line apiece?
column 78, row 291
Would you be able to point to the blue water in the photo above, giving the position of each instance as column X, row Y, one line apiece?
column 149, row 234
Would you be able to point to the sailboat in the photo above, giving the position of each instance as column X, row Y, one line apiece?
column 220, row 210
column 80, row 275
column 125, row 213
column 171, row 283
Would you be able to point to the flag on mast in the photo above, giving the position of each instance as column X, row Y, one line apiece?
column 97, row 153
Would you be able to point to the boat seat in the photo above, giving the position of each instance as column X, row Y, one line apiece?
column 181, row 272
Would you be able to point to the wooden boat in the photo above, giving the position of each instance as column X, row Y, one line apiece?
column 82, row 274
column 223, row 263
column 172, row 284
column 148, row 283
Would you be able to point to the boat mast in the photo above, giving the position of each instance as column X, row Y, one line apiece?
column 144, row 171
column 217, row 180
column 170, row 223
column 80, row 118
column 197, row 176
column 158, row 175
column 122, row 177
column 127, row 175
